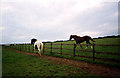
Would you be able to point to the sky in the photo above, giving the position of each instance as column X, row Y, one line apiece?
column 51, row 20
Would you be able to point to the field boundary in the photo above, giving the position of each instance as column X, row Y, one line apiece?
column 93, row 57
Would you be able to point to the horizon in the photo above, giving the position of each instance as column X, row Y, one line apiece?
column 58, row 40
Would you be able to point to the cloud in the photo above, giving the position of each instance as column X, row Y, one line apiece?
column 54, row 20
column 44, row 15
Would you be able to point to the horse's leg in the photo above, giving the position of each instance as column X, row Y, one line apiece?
column 86, row 46
column 91, row 47
column 39, row 52
column 87, row 42
column 80, row 45
column 75, row 45
column 41, row 47
column 34, row 48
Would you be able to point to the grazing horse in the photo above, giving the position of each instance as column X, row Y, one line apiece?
column 37, row 45
column 79, row 40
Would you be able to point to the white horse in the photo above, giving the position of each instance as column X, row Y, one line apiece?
column 37, row 45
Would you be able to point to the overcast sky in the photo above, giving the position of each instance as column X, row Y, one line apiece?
column 51, row 20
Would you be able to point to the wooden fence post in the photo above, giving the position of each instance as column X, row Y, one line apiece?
column 51, row 48
column 43, row 47
column 24, row 46
column 29, row 47
column 32, row 47
column 16, row 47
column 20, row 46
column 93, row 52
column 61, row 49
column 74, row 49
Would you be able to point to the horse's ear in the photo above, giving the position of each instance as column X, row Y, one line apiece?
column 31, row 41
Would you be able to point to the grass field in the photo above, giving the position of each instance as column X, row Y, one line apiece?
column 112, row 49
column 16, row 64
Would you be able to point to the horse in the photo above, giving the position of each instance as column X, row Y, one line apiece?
column 79, row 40
column 37, row 45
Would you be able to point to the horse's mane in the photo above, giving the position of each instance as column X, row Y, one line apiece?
column 75, row 36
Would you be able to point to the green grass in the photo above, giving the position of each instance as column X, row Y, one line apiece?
column 16, row 64
column 113, row 49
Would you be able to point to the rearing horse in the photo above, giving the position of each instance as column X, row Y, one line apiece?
column 79, row 39
column 37, row 45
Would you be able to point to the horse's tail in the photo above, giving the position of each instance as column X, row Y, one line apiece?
column 93, row 40
column 89, row 38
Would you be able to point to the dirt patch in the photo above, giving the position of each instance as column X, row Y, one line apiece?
column 88, row 67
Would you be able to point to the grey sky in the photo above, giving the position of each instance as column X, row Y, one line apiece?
column 51, row 20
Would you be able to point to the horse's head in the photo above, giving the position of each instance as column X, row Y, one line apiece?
column 72, row 36
column 33, row 41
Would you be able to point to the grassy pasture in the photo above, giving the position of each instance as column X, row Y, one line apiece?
column 112, row 49
column 16, row 64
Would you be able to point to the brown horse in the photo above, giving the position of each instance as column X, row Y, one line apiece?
column 79, row 39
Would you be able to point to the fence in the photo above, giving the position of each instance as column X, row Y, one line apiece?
column 93, row 51
column 51, row 47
